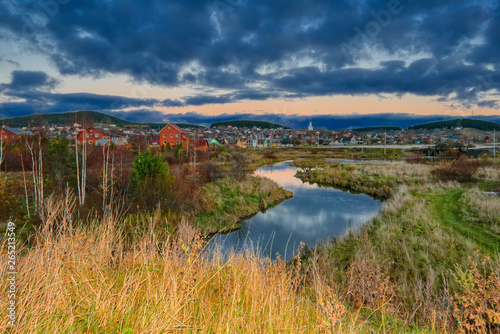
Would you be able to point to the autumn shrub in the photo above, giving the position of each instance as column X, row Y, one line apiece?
column 270, row 154
column 213, row 154
column 213, row 169
column 198, row 176
column 239, row 167
column 461, row 170
column 368, row 284
column 477, row 305
column 15, row 156
column 186, row 193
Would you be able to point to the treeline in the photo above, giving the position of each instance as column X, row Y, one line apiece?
column 459, row 122
column 68, row 118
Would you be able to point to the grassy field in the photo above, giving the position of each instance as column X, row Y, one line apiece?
column 428, row 263
column 388, row 277
column 428, row 235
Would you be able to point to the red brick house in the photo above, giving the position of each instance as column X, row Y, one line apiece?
column 199, row 144
column 10, row 135
column 173, row 135
column 95, row 136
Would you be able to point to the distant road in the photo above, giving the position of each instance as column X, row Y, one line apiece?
column 379, row 146
column 482, row 146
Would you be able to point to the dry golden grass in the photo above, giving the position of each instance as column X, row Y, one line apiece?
column 78, row 279
column 490, row 173
column 402, row 261
column 409, row 173
column 486, row 207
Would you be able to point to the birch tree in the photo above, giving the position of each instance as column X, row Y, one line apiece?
column 81, row 170
column 25, row 186
column 107, row 174
column 34, row 146
column 2, row 148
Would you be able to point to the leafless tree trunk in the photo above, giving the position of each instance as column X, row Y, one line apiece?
column 36, row 154
column 40, row 172
column 77, row 171
column 105, row 162
column 111, row 197
column 81, row 172
column 2, row 149
column 25, row 187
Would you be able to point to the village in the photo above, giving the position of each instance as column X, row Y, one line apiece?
column 212, row 138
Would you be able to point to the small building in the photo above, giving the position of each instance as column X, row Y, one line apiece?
column 10, row 135
column 240, row 145
column 199, row 144
column 214, row 143
column 173, row 135
column 94, row 136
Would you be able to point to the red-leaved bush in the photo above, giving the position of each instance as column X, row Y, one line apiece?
column 462, row 170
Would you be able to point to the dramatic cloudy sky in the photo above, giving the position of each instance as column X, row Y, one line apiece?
column 199, row 60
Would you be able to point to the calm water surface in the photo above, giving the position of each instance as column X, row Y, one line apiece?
column 314, row 214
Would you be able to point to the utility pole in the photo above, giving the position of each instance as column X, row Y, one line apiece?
column 194, row 156
column 385, row 143
column 362, row 145
column 494, row 144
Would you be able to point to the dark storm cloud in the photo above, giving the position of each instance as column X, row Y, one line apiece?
column 57, row 102
column 172, row 103
column 26, row 80
column 290, row 49
column 207, row 99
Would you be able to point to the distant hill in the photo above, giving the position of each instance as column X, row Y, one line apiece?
column 377, row 128
column 459, row 122
column 70, row 118
column 250, row 124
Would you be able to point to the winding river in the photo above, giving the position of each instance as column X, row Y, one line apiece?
column 313, row 215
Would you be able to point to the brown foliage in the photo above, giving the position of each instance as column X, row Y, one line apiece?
column 477, row 306
column 270, row 154
column 461, row 170
column 187, row 192
column 239, row 166
column 368, row 284
column 213, row 170
column 12, row 158
column 197, row 176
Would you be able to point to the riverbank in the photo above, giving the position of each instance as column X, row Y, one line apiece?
column 234, row 200
column 372, row 179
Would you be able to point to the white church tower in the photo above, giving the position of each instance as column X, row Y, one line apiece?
column 310, row 126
